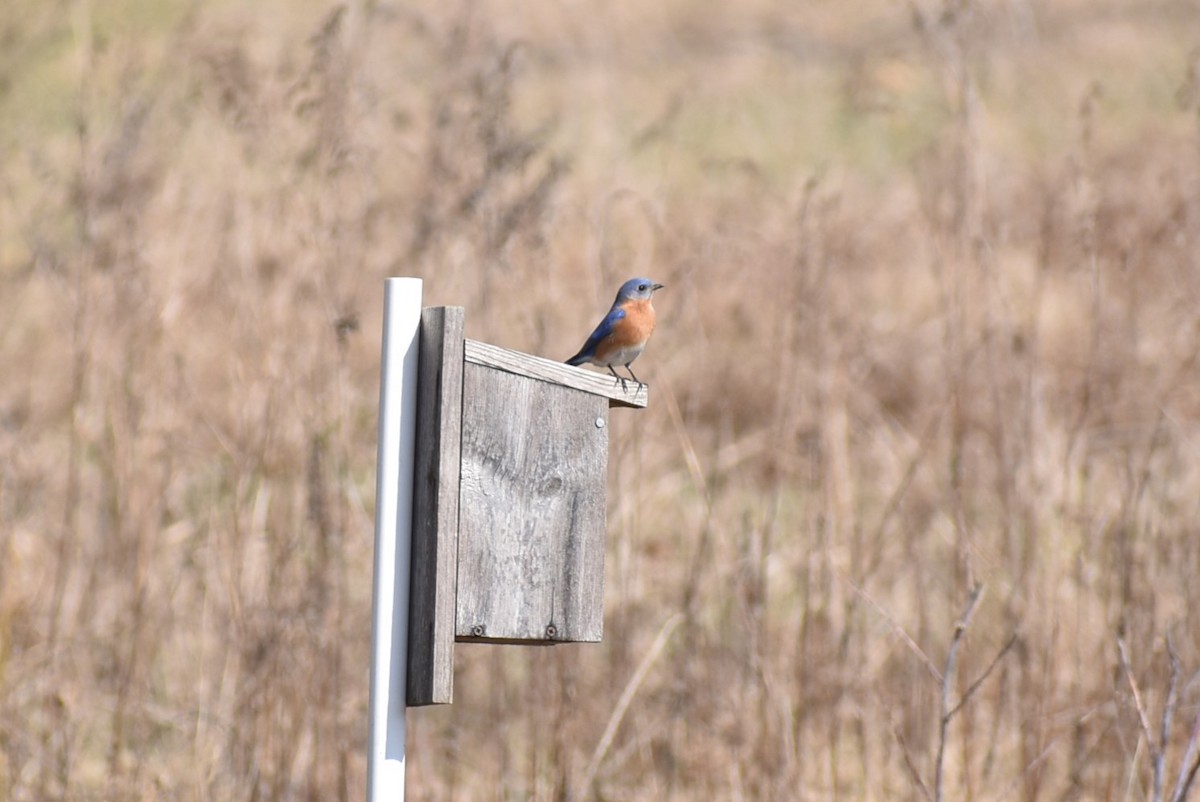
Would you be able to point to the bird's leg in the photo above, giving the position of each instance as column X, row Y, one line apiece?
column 621, row 378
column 634, row 375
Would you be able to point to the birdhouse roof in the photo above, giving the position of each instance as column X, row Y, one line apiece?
column 619, row 394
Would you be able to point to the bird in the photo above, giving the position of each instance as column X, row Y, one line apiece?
column 623, row 333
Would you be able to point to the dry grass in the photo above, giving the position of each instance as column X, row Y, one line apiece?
column 931, row 327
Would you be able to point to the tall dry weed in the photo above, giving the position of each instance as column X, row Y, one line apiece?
column 911, row 514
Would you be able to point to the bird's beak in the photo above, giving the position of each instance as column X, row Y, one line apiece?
column 659, row 286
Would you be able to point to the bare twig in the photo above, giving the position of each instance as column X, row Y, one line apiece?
column 1188, row 770
column 911, row 766
column 1190, row 763
column 1168, row 713
column 1033, row 764
column 618, row 714
column 960, row 629
column 899, row 630
column 966, row 697
column 1143, row 719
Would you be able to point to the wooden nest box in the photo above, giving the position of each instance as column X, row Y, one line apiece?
column 509, row 502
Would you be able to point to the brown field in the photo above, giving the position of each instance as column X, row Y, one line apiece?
column 923, row 445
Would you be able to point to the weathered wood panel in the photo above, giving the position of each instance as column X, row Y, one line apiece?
column 435, row 508
column 619, row 394
column 532, row 509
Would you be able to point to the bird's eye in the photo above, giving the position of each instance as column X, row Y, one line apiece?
column 643, row 287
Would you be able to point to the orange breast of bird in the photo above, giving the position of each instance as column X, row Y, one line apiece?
column 637, row 326
column 631, row 332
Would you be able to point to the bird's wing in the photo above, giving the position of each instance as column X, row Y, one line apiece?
column 604, row 329
column 607, row 325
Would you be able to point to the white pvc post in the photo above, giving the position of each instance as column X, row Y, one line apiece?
column 393, row 538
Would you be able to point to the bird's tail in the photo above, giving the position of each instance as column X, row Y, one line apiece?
column 577, row 360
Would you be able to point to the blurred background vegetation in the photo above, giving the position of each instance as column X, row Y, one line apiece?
column 921, row 462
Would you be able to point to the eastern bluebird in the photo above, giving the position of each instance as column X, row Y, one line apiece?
column 625, row 330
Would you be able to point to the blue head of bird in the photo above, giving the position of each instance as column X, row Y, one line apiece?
column 637, row 289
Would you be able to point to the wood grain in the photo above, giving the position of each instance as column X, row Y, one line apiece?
column 532, row 505
column 434, row 564
column 630, row 394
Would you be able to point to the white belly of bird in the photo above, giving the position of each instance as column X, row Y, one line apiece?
column 622, row 356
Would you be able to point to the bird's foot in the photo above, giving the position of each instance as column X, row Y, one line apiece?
column 619, row 378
